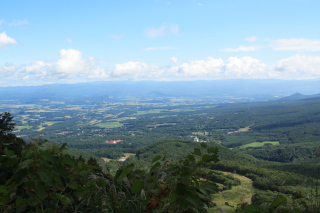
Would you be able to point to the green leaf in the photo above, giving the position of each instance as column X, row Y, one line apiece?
column 118, row 173
column 63, row 199
column 277, row 202
column 195, row 181
column 45, row 177
column 137, row 186
column 81, row 192
column 181, row 188
column 124, row 173
column 197, row 151
column 156, row 158
column 155, row 167
column 20, row 203
column 49, row 210
column 24, row 164
column 8, row 152
column 8, row 162
column 40, row 193
column 3, row 189
column 193, row 200
column 72, row 185
column 68, row 161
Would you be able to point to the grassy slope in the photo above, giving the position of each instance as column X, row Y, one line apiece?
column 228, row 200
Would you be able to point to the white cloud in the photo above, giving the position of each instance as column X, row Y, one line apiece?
column 18, row 23
column 297, row 44
column 7, row 71
column 2, row 22
column 38, row 66
column 98, row 74
column 157, row 48
column 131, row 70
column 69, row 40
column 245, row 67
column 251, row 39
column 201, row 68
column 241, row 48
column 164, row 30
column 212, row 68
column 200, row 4
column 173, row 60
column 297, row 67
column 6, row 40
column 71, row 63
column 70, row 68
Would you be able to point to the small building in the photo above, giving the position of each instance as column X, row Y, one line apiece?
column 114, row 141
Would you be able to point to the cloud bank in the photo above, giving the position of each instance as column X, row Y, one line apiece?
column 72, row 67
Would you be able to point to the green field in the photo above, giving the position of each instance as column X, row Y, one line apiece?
column 42, row 110
column 159, row 125
column 147, row 112
column 198, row 133
column 109, row 125
column 122, row 119
column 259, row 144
column 183, row 110
column 23, row 127
column 49, row 123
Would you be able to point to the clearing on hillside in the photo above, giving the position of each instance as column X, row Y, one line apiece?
column 228, row 200
column 259, row 144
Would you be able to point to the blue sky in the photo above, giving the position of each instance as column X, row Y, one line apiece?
column 54, row 41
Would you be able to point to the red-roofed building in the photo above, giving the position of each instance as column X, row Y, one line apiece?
column 114, row 141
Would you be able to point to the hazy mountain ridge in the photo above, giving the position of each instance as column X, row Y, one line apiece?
column 299, row 96
column 257, row 89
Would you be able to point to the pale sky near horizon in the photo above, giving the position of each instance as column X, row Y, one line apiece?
column 70, row 41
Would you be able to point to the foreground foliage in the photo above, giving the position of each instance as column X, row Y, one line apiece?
column 47, row 180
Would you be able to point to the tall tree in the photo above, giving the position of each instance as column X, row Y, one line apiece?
column 6, row 123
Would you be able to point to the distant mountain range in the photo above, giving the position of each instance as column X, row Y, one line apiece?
column 299, row 96
column 256, row 89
